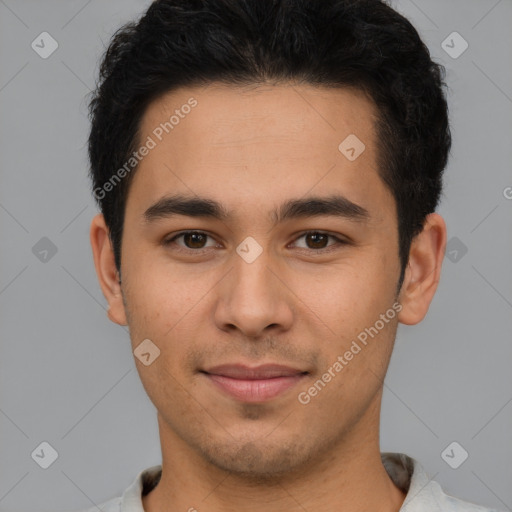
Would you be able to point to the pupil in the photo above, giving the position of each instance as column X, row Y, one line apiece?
column 318, row 240
column 194, row 240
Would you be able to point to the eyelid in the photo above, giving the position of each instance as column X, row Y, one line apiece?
column 339, row 241
column 169, row 241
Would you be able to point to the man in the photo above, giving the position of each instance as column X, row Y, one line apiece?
column 268, row 173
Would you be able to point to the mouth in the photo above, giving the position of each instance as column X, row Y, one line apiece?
column 257, row 384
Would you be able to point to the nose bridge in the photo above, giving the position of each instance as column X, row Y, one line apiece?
column 251, row 278
column 251, row 297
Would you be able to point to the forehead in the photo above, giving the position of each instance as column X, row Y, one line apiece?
column 262, row 143
column 224, row 114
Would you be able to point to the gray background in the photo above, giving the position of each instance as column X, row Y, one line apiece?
column 67, row 375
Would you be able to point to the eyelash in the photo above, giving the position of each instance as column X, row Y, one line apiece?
column 188, row 250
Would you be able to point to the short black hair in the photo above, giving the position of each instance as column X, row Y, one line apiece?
column 327, row 43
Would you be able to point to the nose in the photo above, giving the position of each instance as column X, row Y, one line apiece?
column 252, row 299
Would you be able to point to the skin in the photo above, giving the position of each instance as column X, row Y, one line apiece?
column 252, row 149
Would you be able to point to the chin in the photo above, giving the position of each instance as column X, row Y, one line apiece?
column 257, row 461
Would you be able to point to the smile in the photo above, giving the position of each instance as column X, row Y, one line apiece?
column 254, row 384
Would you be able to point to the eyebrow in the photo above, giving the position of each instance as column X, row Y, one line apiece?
column 334, row 205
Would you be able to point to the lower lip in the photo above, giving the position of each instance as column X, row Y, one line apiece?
column 254, row 390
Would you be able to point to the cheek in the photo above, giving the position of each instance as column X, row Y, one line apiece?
column 174, row 313
column 160, row 294
column 346, row 297
column 160, row 309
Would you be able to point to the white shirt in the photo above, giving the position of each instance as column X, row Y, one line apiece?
column 423, row 494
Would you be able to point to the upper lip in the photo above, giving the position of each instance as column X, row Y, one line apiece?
column 265, row 371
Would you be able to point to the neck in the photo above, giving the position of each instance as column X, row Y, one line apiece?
column 349, row 477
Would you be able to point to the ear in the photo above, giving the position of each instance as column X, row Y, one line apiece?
column 423, row 270
column 106, row 270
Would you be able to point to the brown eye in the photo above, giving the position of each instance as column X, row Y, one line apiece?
column 316, row 240
column 194, row 240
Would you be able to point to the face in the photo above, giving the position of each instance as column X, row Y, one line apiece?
column 275, row 318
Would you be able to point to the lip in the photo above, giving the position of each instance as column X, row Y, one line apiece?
column 256, row 384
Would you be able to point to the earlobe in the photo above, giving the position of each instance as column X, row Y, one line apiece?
column 423, row 270
column 106, row 270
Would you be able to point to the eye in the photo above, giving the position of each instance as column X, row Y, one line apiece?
column 195, row 240
column 318, row 240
